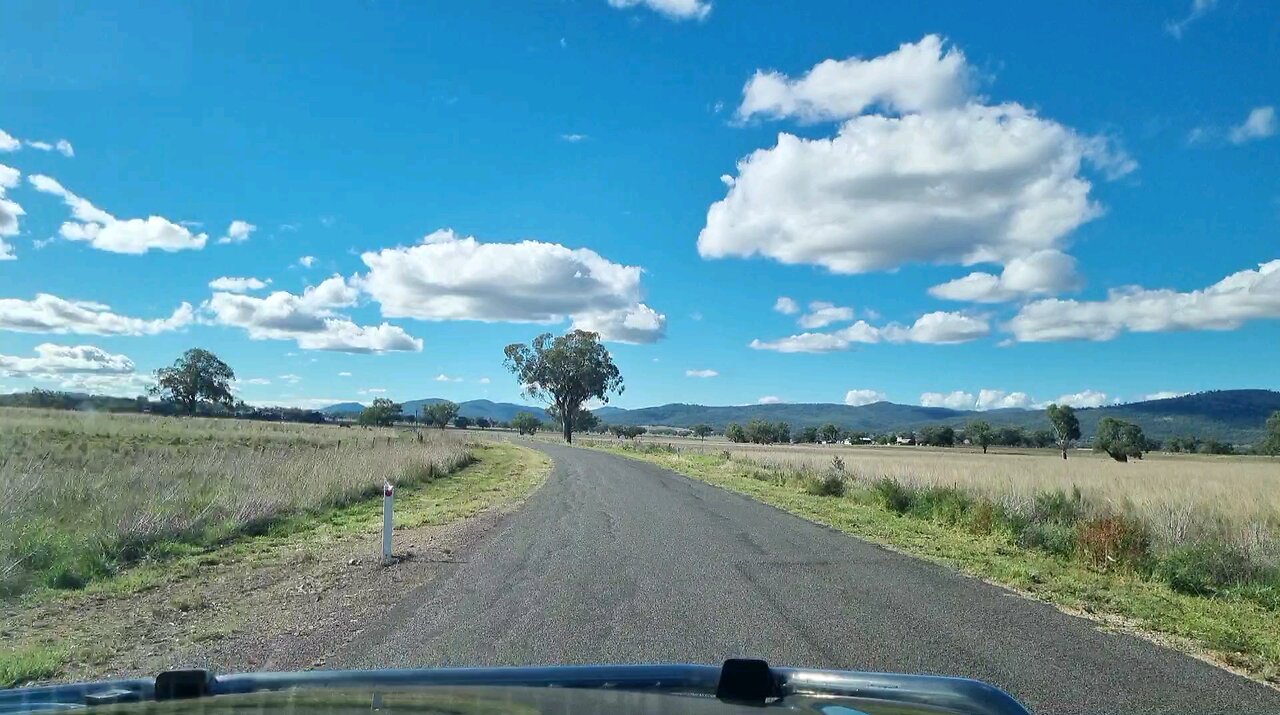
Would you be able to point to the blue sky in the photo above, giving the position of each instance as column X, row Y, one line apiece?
column 990, row 207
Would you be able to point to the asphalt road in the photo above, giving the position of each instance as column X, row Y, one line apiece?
column 615, row 560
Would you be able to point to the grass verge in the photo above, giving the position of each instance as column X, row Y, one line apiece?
column 144, row 615
column 1237, row 630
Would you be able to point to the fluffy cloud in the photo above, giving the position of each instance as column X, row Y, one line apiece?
column 447, row 277
column 701, row 373
column 915, row 77
column 256, row 381
column 1227, row 304
column 786, row 306
column 1041, row 273
column 83, row 368
column 107, row 233
column 237, row 285
column 638, row 324
column 238, row 232
column 769, row 400
column 936, row 177
column 9, row 210
column 53, row 359
column 967, row 185
column 822, row 314
column 50, row 314
column 958, row 400
column 999, row 399
column 309, row 320
column 1088, row 398
column 8, row 143
column 934, row 328
column 445, row 378
column 858, row 398
column 674, row 9
column 307, row 261
column 1260, row 124
column 986, row 399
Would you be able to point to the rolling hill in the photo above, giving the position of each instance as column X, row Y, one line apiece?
column 1236, row 416
column 499, row 411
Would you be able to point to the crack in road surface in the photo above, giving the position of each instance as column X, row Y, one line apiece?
column 615, row 561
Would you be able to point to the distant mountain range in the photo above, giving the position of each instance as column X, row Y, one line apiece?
column 1236, row 416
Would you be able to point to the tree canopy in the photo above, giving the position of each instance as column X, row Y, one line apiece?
column 198, row 376
column 440, row 413
column 1122, row 440
column 1066, row 426
column 1271, row 444
column 382, row 413
column 701, row 431
column 526, row 423
column 979, row 432
column 565, row 371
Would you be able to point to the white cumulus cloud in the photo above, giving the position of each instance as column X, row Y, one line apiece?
column 309, row 320
column 48, row 313
column 958, row 400
column 448, row 277
column 786, row 306
column 674, row 9
column 919, row 171
column 445, row 378
column 939, row 328
column 916, row 76
column 232, row 284
column 769, row 400
column 307, row 261
column 238, row 232
column 1260, row 124
column 53, row 359
column 9, row 210
column 1227, row 304
column 999, row 399
column 821, row 314
column 701, row 373
column 108, row 233
column 1087, row 398
column 858, row 398
column 1044, row 272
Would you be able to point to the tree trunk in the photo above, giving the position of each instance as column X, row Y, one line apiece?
column 1064, row 452
column 984, row 449
column 567, row 425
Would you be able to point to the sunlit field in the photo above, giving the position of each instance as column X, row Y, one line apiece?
column 1181, row 497
column 84, row 494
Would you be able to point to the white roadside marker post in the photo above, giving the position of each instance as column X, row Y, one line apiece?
column 388, row 506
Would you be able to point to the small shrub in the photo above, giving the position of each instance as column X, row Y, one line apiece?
column 832, row 485
column 1113, row 541
column 948, row 505
column 982, row 518
column 1204, row 569
column 837, row 464
column 1058, row 507
column 1058, row 539
column 893, row 496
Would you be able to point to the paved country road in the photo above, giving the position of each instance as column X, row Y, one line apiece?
column 615, row 560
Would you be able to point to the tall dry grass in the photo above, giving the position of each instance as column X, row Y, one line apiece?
column 1182, row 498
column 82, row 495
